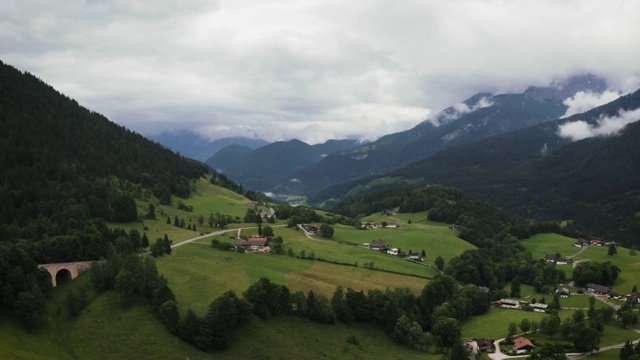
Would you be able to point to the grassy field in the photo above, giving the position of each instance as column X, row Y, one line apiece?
column 495, row 324
column 105, row 331
column 543, row 244
column 629, row 265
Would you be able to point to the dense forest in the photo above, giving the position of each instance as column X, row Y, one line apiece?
column 66, row 171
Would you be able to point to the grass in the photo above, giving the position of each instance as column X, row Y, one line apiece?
column 629, row 265
column 542, row 244
column 494, row 324
column 324, row 278
column 105, row 331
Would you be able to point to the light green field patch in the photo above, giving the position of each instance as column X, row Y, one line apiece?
column 550, row 243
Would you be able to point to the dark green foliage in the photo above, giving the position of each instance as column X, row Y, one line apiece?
column 225, row 315
column 593, row 272
column 76, row 300
column 326, row 231
column 447, row 332
column 268, row 299
column 439, row 261
column 549, row 351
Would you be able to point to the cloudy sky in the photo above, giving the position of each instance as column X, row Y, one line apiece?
column 307, row 69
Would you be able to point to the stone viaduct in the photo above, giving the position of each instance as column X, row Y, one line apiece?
column 66, row 271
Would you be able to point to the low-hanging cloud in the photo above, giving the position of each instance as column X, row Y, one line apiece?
column 585, row 101
column 459, row 109
column 312, row 69
column 605, row 126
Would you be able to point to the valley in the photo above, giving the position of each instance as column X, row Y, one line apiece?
column 191, row 264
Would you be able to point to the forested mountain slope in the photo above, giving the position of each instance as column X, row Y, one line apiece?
column 479, row 117
column 537, row 173
column 269, row 165
column 65, row 172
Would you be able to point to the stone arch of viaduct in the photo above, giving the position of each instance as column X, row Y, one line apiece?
column 74, row 268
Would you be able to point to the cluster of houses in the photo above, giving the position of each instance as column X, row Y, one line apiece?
column 606, row 290
column 380, row 245
column 555, row 259
column 254, row 243
column 373, row 225
column 311, row 229
column 584, row 242
column 520, row 345
column 517, row 304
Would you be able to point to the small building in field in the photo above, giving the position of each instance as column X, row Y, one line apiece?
column 507, row 303
column 598, row 289
column 551, row 258
column 393, row 251
column 563, row 261
column 539, row 307
column 563, row 293
column 581, row 243
column 391, row 225
column 415, row 257
column 377, row 244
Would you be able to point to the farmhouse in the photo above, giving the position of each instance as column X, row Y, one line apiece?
column 598, row 289
column 377, row 244
column 369, row 225
column 391, row 225
column 563, row 293
column 254, row 243
column 540, row 307
column 253, row 203
column 634, row 296
column 508, row 303
column 551, row 258
column 615, row 295
column 597, row 242
column 522, row 345
column 393, row 251
column 484, row 344
column 415, row 257
column 563, row 261
column 581, row 243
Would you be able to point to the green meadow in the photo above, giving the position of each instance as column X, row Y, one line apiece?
column 198, row 273
column 542, row 244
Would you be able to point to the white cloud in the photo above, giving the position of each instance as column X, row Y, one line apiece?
column 605, row 126
column 333, row 68
column 459, row 109
column 585, row 101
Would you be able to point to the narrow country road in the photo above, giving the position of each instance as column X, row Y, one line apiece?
column 216, row 233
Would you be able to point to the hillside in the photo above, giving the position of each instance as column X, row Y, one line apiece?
column 264, row 167
column 535, row 173
column 479, row 117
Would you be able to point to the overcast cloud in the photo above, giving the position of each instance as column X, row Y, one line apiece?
column 605, row 126
column 311, row 70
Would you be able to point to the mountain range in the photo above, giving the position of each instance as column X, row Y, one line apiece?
column 267, row 166
column 542, row 172
column 197, row 147
column 478, row 117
